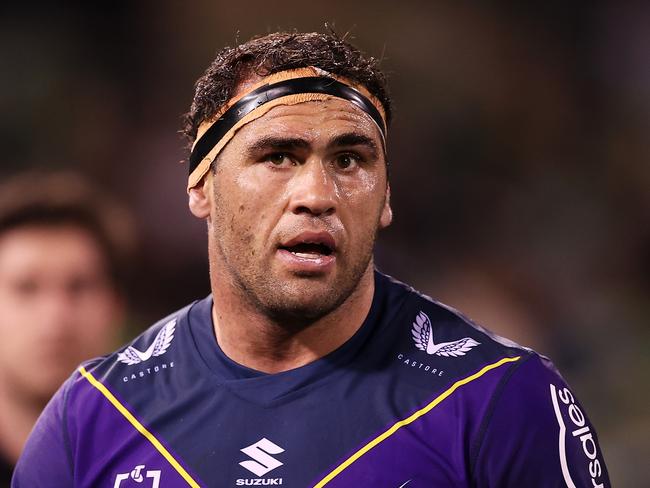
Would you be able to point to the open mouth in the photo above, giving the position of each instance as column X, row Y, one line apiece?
column 315, row 247
column 309, row 249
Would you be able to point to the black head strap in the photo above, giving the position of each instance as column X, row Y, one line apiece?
column 266, row 93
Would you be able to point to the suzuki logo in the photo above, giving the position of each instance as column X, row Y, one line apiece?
column 261, row 453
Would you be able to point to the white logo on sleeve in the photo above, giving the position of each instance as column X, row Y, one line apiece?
column 582, row 432
column 161, row 343
column 261, row 453
column 423, row 336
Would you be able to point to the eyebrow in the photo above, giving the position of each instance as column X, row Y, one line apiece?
column 291, row 143
column 355, row 139
column 277, row 143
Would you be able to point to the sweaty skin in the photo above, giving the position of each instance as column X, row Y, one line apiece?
column 313, row 172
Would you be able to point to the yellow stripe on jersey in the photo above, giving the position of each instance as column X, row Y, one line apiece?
column 139, row 427
column 345, row 464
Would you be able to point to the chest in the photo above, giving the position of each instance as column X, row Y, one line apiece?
column 356, row 431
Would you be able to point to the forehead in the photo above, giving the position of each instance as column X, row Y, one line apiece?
column 47, row 242
column 312, row 120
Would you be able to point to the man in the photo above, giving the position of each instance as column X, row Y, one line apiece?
column 305, row 366
column 59, row 302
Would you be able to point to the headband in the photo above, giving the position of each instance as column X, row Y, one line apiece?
column 284, row 88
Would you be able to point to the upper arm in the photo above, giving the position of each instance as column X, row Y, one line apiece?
column 537, row 434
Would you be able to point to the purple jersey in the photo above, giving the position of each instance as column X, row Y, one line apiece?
column 419, row 397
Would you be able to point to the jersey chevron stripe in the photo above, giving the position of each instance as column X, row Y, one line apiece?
column 139, row 427
column 345, row 464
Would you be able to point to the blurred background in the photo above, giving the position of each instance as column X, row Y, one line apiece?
column 519, row 150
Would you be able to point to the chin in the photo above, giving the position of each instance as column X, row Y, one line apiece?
column 288, row 298
column 302, row 308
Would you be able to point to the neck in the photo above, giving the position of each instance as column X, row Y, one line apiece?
column 265, row 345
column 18, row 414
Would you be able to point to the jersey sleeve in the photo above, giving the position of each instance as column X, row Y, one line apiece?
column 535, row 433
column 46, row 458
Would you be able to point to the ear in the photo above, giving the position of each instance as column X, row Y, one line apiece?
column 200, row 197
column 386, row 213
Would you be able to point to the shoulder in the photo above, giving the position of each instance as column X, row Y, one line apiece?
column 536, row 429
column 428, row 329
column 132, row 373
column 96, row 399
column 438, row 350
column 529, row 428
column 439, row 332
column 157, row 342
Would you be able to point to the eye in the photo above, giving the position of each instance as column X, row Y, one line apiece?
column 80, row 285
column 347, row 161
column 279, row 159
column 26, row 288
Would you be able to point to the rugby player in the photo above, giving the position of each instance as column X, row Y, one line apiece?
column 305, row 366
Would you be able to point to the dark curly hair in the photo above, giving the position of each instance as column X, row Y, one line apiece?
column 278, row 52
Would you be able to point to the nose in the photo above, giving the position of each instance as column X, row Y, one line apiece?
column 312, row 190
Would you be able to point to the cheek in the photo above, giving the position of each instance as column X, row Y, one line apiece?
column 245, row 206
column 16, row 330
column 19, row 314
column 232, row 221
column 364, row 199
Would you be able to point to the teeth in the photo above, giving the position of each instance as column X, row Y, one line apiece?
column 305, row 255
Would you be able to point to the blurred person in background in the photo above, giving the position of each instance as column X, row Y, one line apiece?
column 62, row 250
